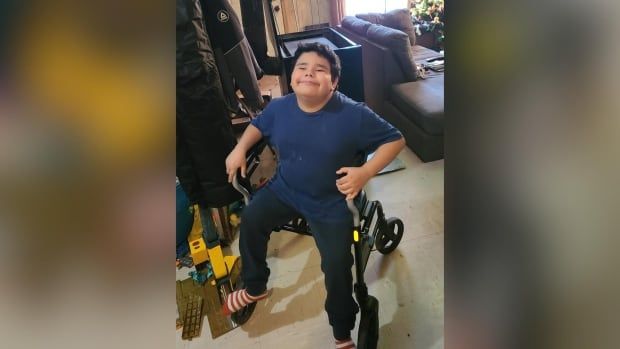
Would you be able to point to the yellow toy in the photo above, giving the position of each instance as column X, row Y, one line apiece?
column 205, row 249
column 202, row 253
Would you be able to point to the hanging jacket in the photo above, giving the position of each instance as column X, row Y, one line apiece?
column 204, row 135
column 236, row 61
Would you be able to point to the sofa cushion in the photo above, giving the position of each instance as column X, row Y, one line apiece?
column 398, row 43
column 396, row 19
column 421, row 53
column 401, row 20
column 422, row 102
column 356, row 25
column 373, row 18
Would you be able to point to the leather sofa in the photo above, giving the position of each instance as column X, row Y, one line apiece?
column 393, row 90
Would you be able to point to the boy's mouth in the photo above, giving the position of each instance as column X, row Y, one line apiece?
column 307, row 82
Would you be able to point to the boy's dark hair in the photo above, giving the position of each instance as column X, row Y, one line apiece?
column 323, row 51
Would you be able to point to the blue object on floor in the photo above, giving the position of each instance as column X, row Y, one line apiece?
column 202, row 276
column 185, row 220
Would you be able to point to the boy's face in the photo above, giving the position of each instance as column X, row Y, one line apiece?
column 312, row 77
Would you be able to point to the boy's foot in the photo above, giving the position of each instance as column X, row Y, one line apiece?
column 345, row 344
column 237, row 300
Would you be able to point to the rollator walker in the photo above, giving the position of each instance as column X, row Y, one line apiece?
column 370, row 229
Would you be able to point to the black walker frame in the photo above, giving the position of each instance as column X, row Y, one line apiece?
column 371, row 230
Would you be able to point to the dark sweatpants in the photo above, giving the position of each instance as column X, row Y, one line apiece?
column 333, row 240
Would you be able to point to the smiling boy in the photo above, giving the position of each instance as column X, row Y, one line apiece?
column 318, row 133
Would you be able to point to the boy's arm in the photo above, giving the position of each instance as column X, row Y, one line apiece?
column 250, row 136
column 383, row 156
column 357, row 177
column 236, row 158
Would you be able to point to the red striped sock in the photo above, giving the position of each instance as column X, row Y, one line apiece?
column 239, row 299
column 345, row 344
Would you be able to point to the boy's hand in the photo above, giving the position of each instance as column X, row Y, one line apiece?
column 235, row 160
column 353, row 182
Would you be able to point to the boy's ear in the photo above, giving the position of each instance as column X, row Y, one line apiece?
column 335, row 84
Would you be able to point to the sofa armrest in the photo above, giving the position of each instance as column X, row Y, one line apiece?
column 381, row 70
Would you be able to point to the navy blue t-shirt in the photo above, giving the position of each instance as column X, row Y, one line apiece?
column 311, row 147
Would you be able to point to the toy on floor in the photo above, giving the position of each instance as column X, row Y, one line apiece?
column 216, row 273
column 192, row 322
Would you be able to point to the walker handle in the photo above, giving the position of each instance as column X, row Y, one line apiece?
column 241, row 189
column 355, row 212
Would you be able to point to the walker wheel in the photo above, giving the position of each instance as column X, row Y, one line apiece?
column 388, row 239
